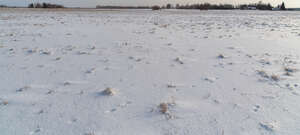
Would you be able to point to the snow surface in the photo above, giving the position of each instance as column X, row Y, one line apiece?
column 216, row 72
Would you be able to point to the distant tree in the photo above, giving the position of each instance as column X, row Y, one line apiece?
column 31, row 5
column 38, row 5
column 282, row 7
column 122, row 7
column 177, row 6
column 44, row 5
column 269, row 6
column 156, row 7
column 3, row 6
column 169, row 6
column 206, row 6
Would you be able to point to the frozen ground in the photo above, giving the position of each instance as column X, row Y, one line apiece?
column 218, row 72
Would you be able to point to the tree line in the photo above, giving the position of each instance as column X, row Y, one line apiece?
column 207, row 6
column 123, row 7
column 3, row 6
column 204, row 6
column 44, row 5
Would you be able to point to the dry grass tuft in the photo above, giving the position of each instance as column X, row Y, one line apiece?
column 163, row 108
column 109, row 91
column 4, row 103
column 275, row 77
column 221, row 56
column 179, row 60
column 263, row 73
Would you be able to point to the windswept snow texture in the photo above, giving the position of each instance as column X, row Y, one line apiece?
column 142, row 72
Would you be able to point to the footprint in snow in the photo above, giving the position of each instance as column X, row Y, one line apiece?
column 269, row 126
column 73, row 120
column 92, row 70
column 23, row 89
column 50, row 92
column 135, row 59
column 67, row 83
column 171, row 86
column 57, row 58
column 248, row 55
column 89, row 133
column 40, row 111
column 210, row 79
column 216, row 101
column 92, row 48
column 120, row 106
column 31, row 51
column 221, row 56
column 82, row 53
column 45, row 52
column 110, row 111
column 256, row 108
column 36, row 131
column 208, row 95
column 231, row 48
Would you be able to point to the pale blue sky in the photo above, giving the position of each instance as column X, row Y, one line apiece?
column 93, row 3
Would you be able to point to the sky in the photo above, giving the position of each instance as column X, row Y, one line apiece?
column 93, row 3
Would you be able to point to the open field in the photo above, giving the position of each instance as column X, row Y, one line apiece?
column 142, row 72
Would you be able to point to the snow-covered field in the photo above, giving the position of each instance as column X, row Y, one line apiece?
column 174, row 72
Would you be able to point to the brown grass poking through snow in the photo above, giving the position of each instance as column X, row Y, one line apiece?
column 163, row 107
column 3, row 102
column 275, row 77
column 109, row 91
column 263, row 73
column 272, row 77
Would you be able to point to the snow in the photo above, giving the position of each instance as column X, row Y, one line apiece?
column 56, row 64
